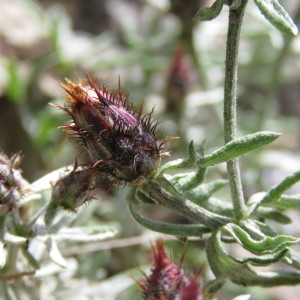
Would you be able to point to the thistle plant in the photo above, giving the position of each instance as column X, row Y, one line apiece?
column 245, row 223
column 121, row 147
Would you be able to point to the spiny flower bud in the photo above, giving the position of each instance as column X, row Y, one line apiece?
column 11, row 182
column 74, row 188
column 168, row 281
column 119, row 140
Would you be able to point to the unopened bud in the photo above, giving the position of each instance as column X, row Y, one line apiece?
column 74, row 188
column 167, row 280
column 11, row 182
column 119, row 141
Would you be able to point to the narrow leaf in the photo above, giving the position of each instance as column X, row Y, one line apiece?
column 14, row 239
column 54, row 252
column 277, row 16
column 272, row 214
column 265, row 260
column 205, row 191
column 225, row 266
column 85, row 234
column 264, row 245
column 179, row 230
column 238, row 147
column 287, row 202
column 209, row 13
column 276, row 191
column 195, row 181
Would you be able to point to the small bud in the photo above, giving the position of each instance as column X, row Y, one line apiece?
column 11, row 182
column 168, row 281
column 180, row 74
column 74, row 188
column 118, row 140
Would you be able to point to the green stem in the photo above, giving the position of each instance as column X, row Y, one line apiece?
column 230, row 87
column 163, row 193
column 50, row 213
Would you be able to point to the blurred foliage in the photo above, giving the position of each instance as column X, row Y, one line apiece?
column 163, row 58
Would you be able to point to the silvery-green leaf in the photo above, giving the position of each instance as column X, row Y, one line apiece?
column 85, row 234
column 277, row 16
column 238, row 147
column 209, row 13
column 54, row 252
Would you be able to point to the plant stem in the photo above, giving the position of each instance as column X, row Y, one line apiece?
column 230, row 87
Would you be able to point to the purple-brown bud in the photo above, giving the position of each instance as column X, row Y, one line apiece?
column 120, row 141
column 168, row 281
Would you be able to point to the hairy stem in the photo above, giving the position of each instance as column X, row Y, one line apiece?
column 230, row 87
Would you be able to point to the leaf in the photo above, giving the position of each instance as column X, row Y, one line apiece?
column 238, row 147
column 187, row 181
column 287, row 202
column 194, row 181
column 178, row 230
column 209, row 13
column 277, row 16
column 293, row 259
column 275, row 192
column 54, row 252
column 224, row 266
column 272, row 214
column 274, row 196
column 85, row 234
column 14, row 239
column 263, row 245
column 265, row 260
column 230, row 151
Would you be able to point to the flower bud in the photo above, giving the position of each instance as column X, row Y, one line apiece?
column 11, row 182
column 168, row 281
column 119, row 141
column 74, row 188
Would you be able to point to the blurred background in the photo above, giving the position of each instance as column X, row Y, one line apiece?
column 163, row 58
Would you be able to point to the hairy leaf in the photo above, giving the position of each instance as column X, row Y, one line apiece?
column 277, row 16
